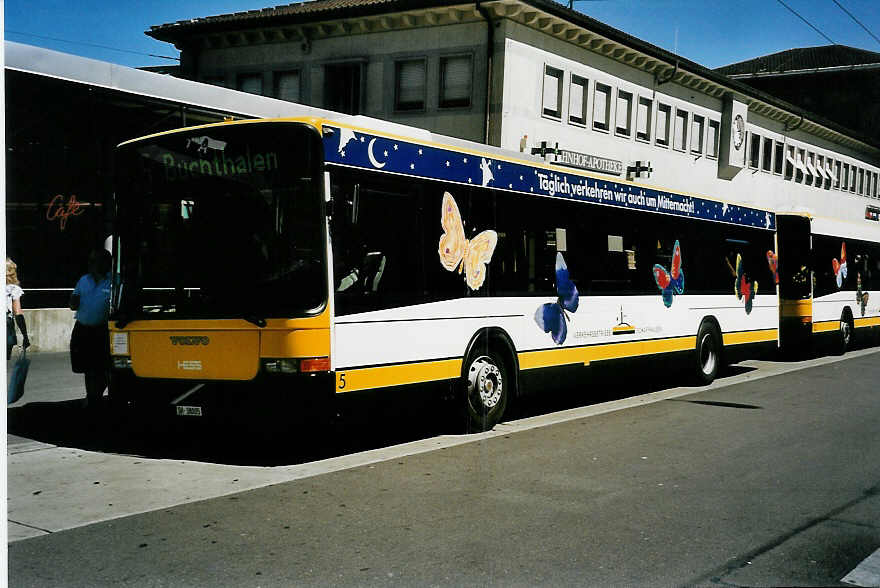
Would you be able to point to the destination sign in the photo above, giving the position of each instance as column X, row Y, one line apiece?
column 589, row 162
column 872, row 213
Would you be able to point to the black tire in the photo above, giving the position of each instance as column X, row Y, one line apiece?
column 488, row 384
column 119, row 391
column 845, row 333
column 707, row 356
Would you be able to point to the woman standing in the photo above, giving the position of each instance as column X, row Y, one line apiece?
column 14, row 315
column 90, row 340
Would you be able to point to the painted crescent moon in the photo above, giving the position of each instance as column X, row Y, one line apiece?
column 372, row 157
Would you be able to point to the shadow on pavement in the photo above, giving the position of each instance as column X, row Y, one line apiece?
column 358, row 423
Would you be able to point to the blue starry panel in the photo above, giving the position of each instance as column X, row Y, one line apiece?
column 354, row 148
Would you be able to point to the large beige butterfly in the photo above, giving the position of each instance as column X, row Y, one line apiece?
column 454, row 248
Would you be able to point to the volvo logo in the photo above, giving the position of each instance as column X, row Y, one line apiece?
column 189, row 340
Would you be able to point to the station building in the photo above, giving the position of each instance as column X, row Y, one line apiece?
column 536, row 77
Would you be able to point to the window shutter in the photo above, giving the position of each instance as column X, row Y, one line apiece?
column 411, row 84
column 457, row 75
column 251, row 83
column 288, row 86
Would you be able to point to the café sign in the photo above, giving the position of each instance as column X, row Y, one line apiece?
column 589, row 162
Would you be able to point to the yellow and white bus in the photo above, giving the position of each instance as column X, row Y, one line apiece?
column 313, row 257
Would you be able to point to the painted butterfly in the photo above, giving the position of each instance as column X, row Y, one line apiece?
column 551, row 317
column 672, row 281
column 454, row 248
column 744, row 288
column 773, row 262
column 840, row 266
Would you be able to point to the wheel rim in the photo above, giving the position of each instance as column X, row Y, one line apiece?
column 845, row 332
column 708, row 355
column 485, row 382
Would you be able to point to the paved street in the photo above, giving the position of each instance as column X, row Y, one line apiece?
column 768, row 477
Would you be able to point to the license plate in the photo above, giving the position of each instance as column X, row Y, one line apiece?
column 189, row 411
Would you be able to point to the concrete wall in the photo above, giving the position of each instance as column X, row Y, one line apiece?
column 48, row 328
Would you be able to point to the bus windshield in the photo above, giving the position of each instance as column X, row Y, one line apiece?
column 220, row 222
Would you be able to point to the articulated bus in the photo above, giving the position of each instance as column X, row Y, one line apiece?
column 306, row 258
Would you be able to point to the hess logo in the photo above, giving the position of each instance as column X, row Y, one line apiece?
column 178, row 340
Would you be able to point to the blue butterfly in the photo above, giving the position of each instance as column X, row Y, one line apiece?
column 670, row 282
column 551, row 316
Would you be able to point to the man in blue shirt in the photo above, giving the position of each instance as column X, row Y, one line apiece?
column 90, row 341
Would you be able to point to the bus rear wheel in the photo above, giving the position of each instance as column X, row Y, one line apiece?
column 845, row 333
column 707, row 354
column 487, row 389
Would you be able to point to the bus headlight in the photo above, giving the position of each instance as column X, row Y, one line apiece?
column 122, row 363
column 281, row 366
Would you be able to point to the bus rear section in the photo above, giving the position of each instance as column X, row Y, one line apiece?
column 220, row 276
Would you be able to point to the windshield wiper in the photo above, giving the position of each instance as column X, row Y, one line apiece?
column 260, row 322
column 121, row 320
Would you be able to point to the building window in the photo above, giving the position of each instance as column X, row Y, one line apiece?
column 837, row 175
column 409, row 84
column 867, row 183
column 342, row 87
column 552, row 92
column 251, row 83
column 287, row 86
column 643, row 119
column 812, row 172
column 767, row 155
column 829, row 173
column 844, row 180
column 456, row 81
column 754, row 150
column 800, row 168
column 697, row 127
column 602, row 107
column 712, row 141
column 664, row 113
column 778, row 158
column 861, row 181
column 624, row 113
column 681, row 125
column 875, row 185
column 820, row 168
column 577, row 100
column 790, row 163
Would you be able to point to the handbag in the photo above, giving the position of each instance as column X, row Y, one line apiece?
column 19, row 374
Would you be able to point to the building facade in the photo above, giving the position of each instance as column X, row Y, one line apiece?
column 535, row 77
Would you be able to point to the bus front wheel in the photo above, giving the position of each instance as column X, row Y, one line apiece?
column 488, row 387
column 708, row 353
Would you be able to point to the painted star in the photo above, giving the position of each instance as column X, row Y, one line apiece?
column 395, row 147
